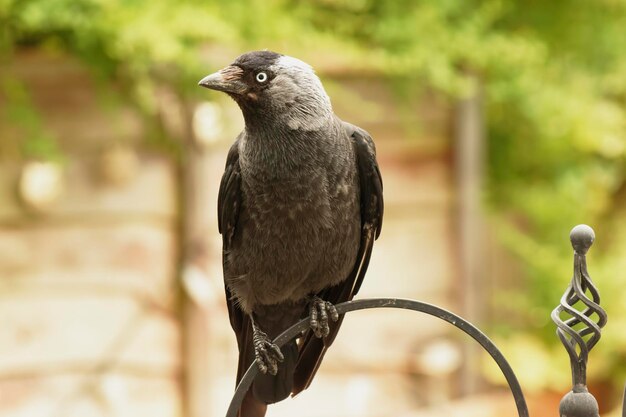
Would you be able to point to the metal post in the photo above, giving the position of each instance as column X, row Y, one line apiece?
column 579, row 402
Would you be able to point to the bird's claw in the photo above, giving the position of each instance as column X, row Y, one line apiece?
column 320, row 312
column 266, row 353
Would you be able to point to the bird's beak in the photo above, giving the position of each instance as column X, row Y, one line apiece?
column 227, row 80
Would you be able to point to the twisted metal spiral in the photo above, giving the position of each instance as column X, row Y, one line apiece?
column 581, row 331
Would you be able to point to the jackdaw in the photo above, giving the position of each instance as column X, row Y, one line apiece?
column 299, row 207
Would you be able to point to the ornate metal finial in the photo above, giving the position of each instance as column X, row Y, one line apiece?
column 580, row 332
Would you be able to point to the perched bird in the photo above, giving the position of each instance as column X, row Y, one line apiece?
column 299, row 207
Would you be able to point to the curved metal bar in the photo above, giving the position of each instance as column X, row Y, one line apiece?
column 438, row 312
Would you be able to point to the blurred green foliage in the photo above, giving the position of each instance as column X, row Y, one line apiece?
column 552, row 74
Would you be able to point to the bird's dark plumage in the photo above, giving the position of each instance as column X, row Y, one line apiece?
column 299, row 207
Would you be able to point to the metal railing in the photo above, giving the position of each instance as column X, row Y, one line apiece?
column 579, row 332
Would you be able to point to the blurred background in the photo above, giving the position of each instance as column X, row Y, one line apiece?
column 500, row 125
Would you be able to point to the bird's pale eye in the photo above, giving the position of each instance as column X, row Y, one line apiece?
column 261, row 77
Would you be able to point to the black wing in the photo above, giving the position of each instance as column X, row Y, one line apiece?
column 229, row 197
column 372, row 207
column 228, row 206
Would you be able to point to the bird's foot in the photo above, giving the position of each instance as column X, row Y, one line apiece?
column 266, row 353
column 320, row 312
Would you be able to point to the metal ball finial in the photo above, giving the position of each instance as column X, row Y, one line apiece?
column 579, row 404
column 582, row 237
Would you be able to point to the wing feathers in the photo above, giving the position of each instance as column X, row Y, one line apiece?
column 229, row 197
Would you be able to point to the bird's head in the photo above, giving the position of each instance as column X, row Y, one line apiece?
column 274, row 89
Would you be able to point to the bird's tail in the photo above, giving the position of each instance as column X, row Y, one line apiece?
column 273, row 388
column 266, row 389
column 251, row 407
